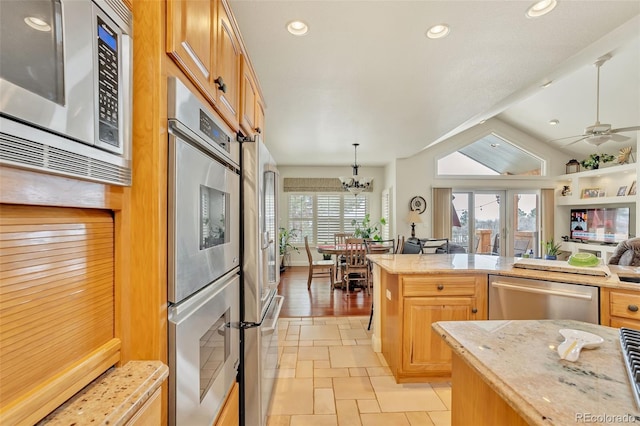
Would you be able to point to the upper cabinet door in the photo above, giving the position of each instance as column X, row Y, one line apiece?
column 189, row 33
column 227, row 78
column 248, row 99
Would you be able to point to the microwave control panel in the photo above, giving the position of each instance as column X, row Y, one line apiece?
column 108, row 84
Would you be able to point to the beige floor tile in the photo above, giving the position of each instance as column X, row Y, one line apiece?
column 288, row 360
column 353, row 334
column 288, row 343
column 294, row 329
column 286, row 372
column 322, row 382
column 358, row 372
column 318, row 420
column 382, row 359
column 331, row 372
column 384, row 419
column 313, row 353
column 319, row 332
column 292, row 396
column 290, row 337
column 290, row 350
column 353, row 388
column 304, row 369
column 353, row 356
column 348, row 414
column 444, row 392
column 394, row 397
column 368, row 406
column 327, row 343
column 440, row 418
column 349, row 342
column 366, row 341
column 302, row 343
column 321, row 364
column 419, row 418
column 323, row 401
column 379, row 371
column 344, row 326
column 278, row 420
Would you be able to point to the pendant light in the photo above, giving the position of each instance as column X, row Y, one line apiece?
column 355, row 184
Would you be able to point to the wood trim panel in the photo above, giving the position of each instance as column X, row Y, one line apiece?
column 150, row 413
column 56, row 301
column 230, row 413
column 28, row 187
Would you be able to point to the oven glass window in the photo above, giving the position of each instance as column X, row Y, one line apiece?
column 214, row 351
column 214, row 217
column 35, row 27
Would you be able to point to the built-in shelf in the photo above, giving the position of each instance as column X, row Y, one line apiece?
column 606, row 181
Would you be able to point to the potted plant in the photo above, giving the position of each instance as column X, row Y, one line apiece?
column 594, row 160
column 285, row 236
column 367, row 229
column 551, row 249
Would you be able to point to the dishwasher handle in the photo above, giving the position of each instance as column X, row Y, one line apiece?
column 528, row 289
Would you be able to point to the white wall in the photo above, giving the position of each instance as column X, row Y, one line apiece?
column 417, row 175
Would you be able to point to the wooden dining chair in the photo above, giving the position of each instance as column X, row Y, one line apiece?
column 340, row 238
column 356, row 266
column 399, row 245
column 317, row 268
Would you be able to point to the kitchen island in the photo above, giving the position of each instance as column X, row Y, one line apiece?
column 413, row 291
column 510, row 373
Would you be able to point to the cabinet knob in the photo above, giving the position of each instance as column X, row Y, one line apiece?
column 258, row 130
column 220, row 82
column 633, row 308
column 474, row 310
column 440, row 287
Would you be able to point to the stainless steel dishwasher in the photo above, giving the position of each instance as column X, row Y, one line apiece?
column 523, row 298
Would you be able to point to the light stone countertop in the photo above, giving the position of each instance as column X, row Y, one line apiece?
column 113, row 398
column 519, row 360
column 496, row 265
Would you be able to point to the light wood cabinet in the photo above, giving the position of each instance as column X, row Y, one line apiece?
column 411, row 303
column 190, row 28
column 620, row 308
column 230, row 413
column 150, row 413
column 227, row 67
column 202, row 41
column 249, row 101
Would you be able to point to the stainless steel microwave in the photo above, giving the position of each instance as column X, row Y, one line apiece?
column 65, row 88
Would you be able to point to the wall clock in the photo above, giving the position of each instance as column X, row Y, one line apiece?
column 418, row 204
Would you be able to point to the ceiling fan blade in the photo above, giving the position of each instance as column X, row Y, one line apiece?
column 618, row 138
column 576, row 141
column 568, row 137
column 625, row 129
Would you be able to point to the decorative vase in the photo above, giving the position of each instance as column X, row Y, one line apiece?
column 550, row 257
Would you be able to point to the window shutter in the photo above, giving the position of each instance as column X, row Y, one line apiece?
column 301, row 217
column 354, row 208
column 328, row 217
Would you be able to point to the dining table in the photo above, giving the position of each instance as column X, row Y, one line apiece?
column 341, row 249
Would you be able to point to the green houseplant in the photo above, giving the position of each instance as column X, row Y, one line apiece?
column 594, row 160
column 368, row 229
column 285, row 236
column 551, row 249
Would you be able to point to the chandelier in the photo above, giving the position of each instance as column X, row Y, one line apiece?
column 355, row 184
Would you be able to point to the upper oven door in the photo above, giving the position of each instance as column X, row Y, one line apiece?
column 64, row 70
column 203, row 217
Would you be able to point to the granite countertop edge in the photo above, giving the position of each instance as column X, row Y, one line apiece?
column 114, row 397
column 519, row 404
column 427, row 264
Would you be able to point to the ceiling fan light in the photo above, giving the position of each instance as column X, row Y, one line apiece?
column 597, row 140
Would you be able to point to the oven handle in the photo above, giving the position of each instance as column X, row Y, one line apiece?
column 583, row 296
column 279, row 300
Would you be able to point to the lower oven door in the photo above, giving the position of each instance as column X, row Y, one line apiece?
column 203, row 352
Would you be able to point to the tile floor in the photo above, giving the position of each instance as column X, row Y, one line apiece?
column 330, row 376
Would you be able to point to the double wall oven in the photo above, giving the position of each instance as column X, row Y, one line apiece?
column 203, row 264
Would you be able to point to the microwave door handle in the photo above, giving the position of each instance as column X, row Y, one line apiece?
column 266, row 330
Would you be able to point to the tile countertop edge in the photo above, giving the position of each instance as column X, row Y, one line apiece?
column 495, row 265
column 510, row 396
column 114, row 397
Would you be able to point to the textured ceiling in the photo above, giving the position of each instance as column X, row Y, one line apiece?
column 366, row 73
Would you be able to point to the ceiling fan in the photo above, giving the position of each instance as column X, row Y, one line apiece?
column 599, row 133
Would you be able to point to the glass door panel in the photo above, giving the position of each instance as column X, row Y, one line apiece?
column 524, row 239
column 488, row 211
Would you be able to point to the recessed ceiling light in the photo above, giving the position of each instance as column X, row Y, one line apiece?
column 482, row 121
column 438, row 31
column 547, row 84
column 37, row 23
column 554, row 122
column 495, row 145
column 297, row 28
column 541, row 8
